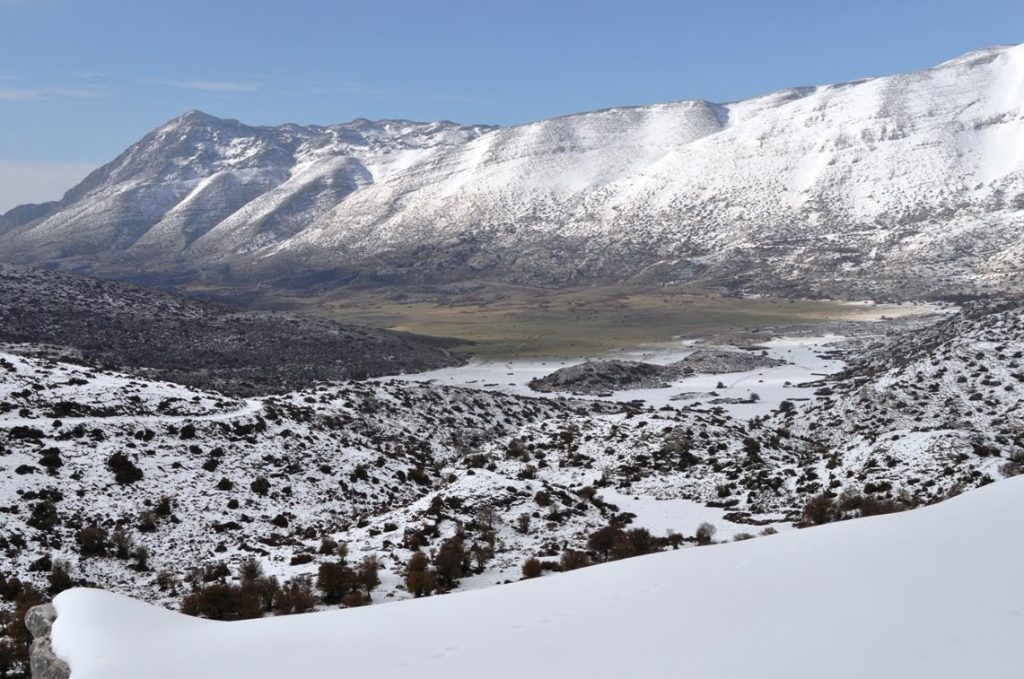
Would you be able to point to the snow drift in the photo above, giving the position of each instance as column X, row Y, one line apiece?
column 931, row 593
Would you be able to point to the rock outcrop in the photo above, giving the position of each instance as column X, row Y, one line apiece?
column 44, row 662
column 597, row 377
column 602, row 377
column 713, row 361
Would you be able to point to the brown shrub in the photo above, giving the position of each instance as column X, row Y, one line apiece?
column 532, row 568
column 296, row 596
column 573, row 559
column 335, row 580
column 820, row 509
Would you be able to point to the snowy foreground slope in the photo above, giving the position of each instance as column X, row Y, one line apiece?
column 898, row 186
column 931, row 593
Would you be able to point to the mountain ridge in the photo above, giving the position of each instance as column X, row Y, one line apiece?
column 902, row 187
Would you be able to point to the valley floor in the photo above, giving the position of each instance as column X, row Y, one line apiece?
column 807, row 360
column 506, row 322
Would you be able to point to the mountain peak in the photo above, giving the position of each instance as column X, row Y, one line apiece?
column 197, row 118
column 195, row 115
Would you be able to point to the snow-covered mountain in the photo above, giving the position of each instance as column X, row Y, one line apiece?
column 202, row 185
column 896, row 186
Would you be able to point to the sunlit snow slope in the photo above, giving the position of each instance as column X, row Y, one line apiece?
column 930, row 593
column 898, row 186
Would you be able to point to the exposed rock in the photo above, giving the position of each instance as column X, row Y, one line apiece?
column 715, row 361
column 597, row 377
column 43, row 661
column 601, row 377
column 689, row 396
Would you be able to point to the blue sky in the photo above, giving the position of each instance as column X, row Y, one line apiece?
column 82, row 79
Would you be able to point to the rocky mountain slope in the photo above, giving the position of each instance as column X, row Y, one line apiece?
column 926, row 414
column 194, row 342
column 200, row 183
column 897, row 187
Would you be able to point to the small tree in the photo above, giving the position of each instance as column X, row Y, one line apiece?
column 335, row 580
column 450, row 562
column 122, row 543
column 92, row 541
column 296, row 596
column 368, row 574
column 486, row 515
column 260, row 486
column 59, row 579
column 820, row 509
column 217, row 601
column 141, row 557
column 419, row 579
column 635, row 542
column 706, row 533
column 125, row 471
column 603, row 540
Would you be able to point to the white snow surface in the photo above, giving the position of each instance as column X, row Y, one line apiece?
column 931, row 593
column 807, row 362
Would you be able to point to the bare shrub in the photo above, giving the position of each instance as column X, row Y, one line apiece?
column 706, row 533
column 532, row 568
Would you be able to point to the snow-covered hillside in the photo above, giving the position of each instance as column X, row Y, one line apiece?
column 930, row 411
column 198, row 480
column 931, row 593
column 96, row 464
column 896, row 187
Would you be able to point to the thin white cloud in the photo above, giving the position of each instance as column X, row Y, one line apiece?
column 29, row 182
column 36, row 93
column 228, row 86
column 361, row 89
column 452, row 97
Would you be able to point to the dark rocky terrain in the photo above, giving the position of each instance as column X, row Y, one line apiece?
column 594, row 377
column 195, row 342
column 710, row 360
column 600, row 376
